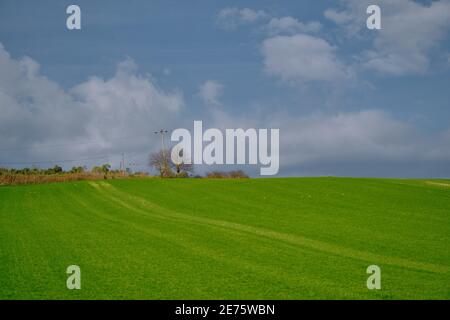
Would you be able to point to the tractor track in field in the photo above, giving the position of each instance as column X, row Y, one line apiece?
column 202, row 249
column 145, row 206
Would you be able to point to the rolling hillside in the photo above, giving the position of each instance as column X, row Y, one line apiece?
column 292, row 238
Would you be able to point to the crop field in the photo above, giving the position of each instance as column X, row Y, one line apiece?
column 284, row 238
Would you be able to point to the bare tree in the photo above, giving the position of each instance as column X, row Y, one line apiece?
column 163, row 164
column 160, row 161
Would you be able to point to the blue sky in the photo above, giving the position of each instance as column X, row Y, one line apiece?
column 368, row 102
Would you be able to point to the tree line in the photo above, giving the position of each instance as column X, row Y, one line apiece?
column 160, row 161
column 103, row 169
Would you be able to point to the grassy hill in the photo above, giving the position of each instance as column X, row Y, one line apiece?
column 287, row 238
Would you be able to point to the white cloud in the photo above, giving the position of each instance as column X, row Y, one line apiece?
column 126, row 103
column 210, row 92
column 36, row 111
column 33, row 107
column 289, row 52
column 302, row 58
column 337, row 17
column 359, row 135
column 290, row 25
column 409, row 32
column 252, row 15
column 231, row 17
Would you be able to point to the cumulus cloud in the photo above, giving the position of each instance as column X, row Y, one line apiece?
column 289, row 52
column 410, row 31
column 339, row 17
column 290, row 25
column 358, row 135
column 36, row 113
column 210, row 92
column 302, row 58
column 33, row 107
column 232, row 17
column 127, row 100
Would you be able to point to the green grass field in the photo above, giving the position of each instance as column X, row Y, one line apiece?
column 293, row 238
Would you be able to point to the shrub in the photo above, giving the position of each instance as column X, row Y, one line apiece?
column 237, row 174
column 182, row 174
column 216, row 175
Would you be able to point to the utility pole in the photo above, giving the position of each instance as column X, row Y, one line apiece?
column 162, row 132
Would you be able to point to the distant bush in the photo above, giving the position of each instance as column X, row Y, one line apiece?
column 182, row 174
column 139, row 174
column 237, row 174
column 216, row 175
